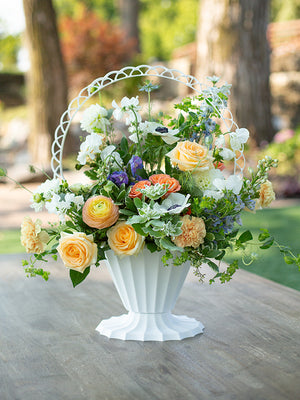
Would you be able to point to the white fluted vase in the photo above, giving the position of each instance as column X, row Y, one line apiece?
column 149, row 291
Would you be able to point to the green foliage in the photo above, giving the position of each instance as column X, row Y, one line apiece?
column 285, row 10
column 166, row 25
column 10, row 46
column 288, row 155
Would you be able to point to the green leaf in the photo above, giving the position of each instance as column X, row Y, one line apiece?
column 213, row 265
column 180, row 119
column 289, row 260
column 124, row 211
column 151, row 246
column 168, row 245
column 268, row 243
column 138, row 228
column 264, row 235
column 124, row 145
column 168, row 166
column 78, row 277
column 130, row 204
column 245, row 237
column 121, row 195
column 3, row 171
column 138, row 202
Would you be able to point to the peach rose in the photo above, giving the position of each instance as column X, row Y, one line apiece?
column 134, row 192
column 266, row 195
column 77, row 250
column 193, row 232
column 124, row 240
column 190, row 156
column 174, row 185
column 32, row 237
column 100, row 212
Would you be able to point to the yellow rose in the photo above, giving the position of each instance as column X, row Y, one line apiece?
column 266, row 195
column 190, row 156
column 32, row 236
column 124, row 240
column 100, row 212
column 77, row 250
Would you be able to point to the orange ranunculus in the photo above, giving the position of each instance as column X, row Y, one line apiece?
column 77, row 250
column 188, row 156
column 100, row 212
column 219, row 165
column 134, row 192
column 174, row 185
column 124, row 240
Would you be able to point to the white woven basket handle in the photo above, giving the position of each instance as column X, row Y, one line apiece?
column 116, row 76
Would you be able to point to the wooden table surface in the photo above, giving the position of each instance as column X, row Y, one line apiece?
column 49, row 349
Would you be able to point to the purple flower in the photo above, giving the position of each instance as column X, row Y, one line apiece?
column 118, row 177
column 135, row 163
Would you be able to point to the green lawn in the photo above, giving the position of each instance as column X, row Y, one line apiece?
column 283, row 223
column 10, row 242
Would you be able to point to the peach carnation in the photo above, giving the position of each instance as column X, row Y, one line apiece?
column 174, row 185
column 188, row 156
column 124, row 240
column 135, row 192
column 32, row 237
column 100, row 212
column 266, row 195
column 193, row 232
column 77, row 250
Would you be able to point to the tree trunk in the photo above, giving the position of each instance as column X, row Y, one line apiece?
column 232, row 44
column 47, row 83
column 129, row 10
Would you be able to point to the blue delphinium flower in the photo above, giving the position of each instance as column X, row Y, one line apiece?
column 135, row 163
column 118, row 178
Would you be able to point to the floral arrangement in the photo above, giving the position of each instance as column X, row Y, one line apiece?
column 172, row 184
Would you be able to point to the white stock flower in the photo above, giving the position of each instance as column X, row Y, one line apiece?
column 59, row 205
column 233, row 183
column 220, row 141
column 129, row 107
column 227, row 154
column 213, row 79
column 89, row 148
column 44, row 192
column 204, row 179
column 112, row 157
column 238, row 138
column 94, row 117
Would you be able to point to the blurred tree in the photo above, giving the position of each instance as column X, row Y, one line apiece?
column 47, row 91
column 129, row 10
column 92, row 47
column 232, row 43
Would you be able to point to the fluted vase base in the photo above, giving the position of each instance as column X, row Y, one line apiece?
column 148, row 290
column 147, row 327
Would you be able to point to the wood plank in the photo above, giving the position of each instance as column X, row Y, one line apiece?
column 49, row 348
